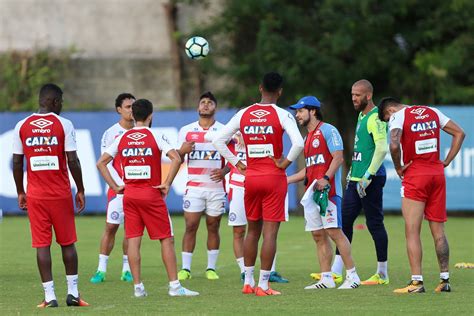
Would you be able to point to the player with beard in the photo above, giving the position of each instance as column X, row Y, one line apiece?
column 204, row 188
column 366, row 180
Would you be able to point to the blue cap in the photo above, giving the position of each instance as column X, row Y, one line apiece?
column 308, row 101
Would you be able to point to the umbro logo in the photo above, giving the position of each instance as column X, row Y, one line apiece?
column 136, row 136
column 418, row 111
column 41, row 123
column 259, row 113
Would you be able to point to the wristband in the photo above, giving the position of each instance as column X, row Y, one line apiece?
column 326, row 177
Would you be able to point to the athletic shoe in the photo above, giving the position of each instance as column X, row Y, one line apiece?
column 44, row 304
column 376, row 279
column 247, row 289
column 260, row 292
column 336, row 277
column 140, row 292
column 242, row 277
column 75, row 301
column 320, row 285
column 184, row 274
column 98, row 277
column 349, row 284
column 211, row 274
column 277, row 278
column 412, row 287
column 126, row 276
column 443, row 286
column 182, row 291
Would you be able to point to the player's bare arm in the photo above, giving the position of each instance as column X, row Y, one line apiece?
column 218, row 175
column 75, row 167
column 18, row 176
column 281, row 163
column 458, row 137
column 185, row 148
column 297, row 177
column 175, row 158
column 104, row 171
column 396, row 151
column 337, row 160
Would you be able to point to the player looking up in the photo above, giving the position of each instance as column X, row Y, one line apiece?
column 114, row 217
column 416, row 130
column 48, row 142
column 262, row 126
column 139, row 151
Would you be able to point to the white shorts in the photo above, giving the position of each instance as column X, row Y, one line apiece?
column 213, row 203
column 115, row 210
column 237, row 216
column 332, row 219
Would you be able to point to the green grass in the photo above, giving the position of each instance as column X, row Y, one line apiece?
column 21, row 288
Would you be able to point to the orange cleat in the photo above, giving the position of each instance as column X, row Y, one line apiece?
column 260, row 292
column 247, row 289
column 44, row 304
column 75, row 301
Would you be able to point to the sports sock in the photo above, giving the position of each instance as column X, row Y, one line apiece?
column 103, row 259
column 326, row 278
column 274, row 263
column 125, row 265
column 187, row 259
column 174, row 285
column 444, row 275
column 72, row 287
column 240, row 262
column 263, row 280
column 352, row 273
column 249, row 276
column 417, row 278
column 49, row 294
column 139, row 287
column 212, row 258
column 337, row 265
column 382, row 269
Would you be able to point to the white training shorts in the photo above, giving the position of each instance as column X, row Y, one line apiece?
column 213, row 203
column 332, row 219
column 237, row 216
column 115, row 210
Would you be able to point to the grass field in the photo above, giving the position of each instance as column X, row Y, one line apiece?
column 21, row 288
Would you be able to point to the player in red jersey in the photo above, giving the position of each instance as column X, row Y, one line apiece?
column 139, row 151
column 262, row 126
column 414, row 146
column 114, row 217
column 48, row 143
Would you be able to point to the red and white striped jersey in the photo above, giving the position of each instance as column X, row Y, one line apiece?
column 107, row 139
column 203, row 159
column 44, row 140
column 237, row 147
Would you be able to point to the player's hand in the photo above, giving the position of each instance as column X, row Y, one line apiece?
column 242, row 167
column 186, row 148
column 22, row 201
column 402, row 169
column 445, row 163
column 164, row 189
column 281, row 163
column 119, row 189
column 80, row 201
column 217, row 175
column 321, row 184
column 363, row 184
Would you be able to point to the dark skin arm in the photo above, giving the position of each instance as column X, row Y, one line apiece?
column 104, row 171
column 219, row 174
column 458, row 137
column 186, row 148
column 18, row 177
column 396, row 152
column 75, row 167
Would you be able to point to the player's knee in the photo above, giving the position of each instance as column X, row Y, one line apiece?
column 239, row 232
column 319, row 235
column 111, row 229
column 191, row 228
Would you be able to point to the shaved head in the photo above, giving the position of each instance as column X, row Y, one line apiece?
column 362, row 91
column 365, row 84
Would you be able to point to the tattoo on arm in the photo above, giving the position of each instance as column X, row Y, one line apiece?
column 395, row 150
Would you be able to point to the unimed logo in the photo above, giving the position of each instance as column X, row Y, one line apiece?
column 136, row 136
column 41, row 123
column 259, row 113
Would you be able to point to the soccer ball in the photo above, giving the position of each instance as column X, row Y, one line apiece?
column 197, row 47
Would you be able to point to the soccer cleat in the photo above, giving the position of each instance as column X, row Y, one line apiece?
column 182, row 291
column 242, row 277
column 376, row 279
column 349, row 284
column 277, row 278
column 44, row 304
column 126, row 276
column 184, row 274
column 211, row 274
column 98, row 277
column 412, row 287
column 320, row 285
column 443, row 286
column 248, row 289
column 140, row 292
column 336, row 277
column 260, row 292
column 75, row 301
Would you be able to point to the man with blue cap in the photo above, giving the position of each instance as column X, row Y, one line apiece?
column 323, row 153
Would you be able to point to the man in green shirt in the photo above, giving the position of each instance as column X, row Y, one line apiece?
column 366, row 180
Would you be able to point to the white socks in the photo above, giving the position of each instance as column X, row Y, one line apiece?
column 174, row 285
column 249, row 276
column 212, row 258
column 187, row 258
column 417, row 278
column 274, row 263
column 240, row 262
column 444, row 275
column 263, row 280
column 125, row 265
column 337, row 265
column 352, row 274
column 326, row 278
column 72, row 281
column 103, row 259
column 139, row 287
column 382, row 269
column 49, row 294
